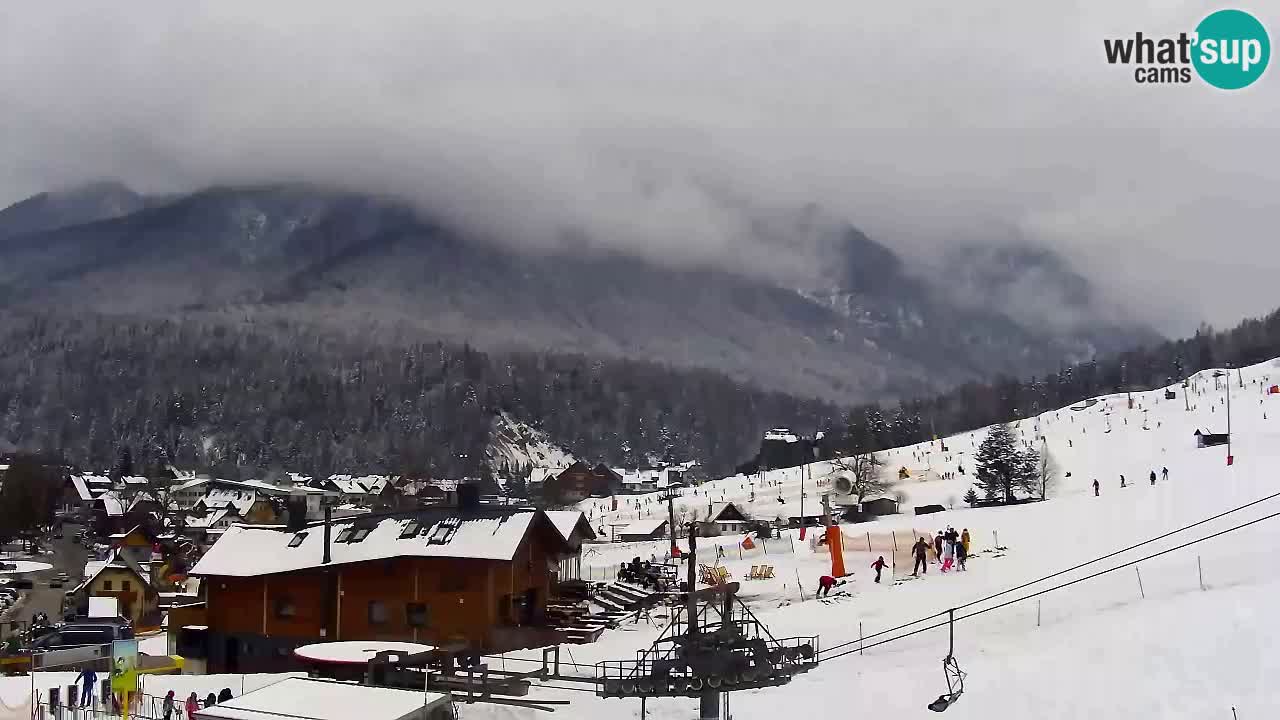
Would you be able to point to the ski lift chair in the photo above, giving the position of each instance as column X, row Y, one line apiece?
column 951, row 669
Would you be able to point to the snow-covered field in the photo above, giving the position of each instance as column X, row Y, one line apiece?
column 1190, row 637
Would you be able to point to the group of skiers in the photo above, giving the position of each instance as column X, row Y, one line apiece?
column 90, row 679
column 1164, row 476
column 949, row 547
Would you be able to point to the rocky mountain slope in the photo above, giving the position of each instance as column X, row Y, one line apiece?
column 865, row 327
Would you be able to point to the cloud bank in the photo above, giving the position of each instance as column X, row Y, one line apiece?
column 669, row 129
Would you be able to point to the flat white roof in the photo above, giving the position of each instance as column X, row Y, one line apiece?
column 313, row 699
column 355, row 652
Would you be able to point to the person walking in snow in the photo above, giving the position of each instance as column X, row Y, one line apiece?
column 90, row 678
column 1164, row 474
column 948, row 554
column 921, row 550
column 962, row 554
column 878, row 565
column 1122, row 481
column 1097, row 490
column 937, row 546
column 1153, row 477
column 964, row 539
column 192, row 706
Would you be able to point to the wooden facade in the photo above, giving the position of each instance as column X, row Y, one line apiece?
column 255, row 622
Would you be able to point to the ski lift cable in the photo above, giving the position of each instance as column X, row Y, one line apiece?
column 1060, row 572
column 1051, row 589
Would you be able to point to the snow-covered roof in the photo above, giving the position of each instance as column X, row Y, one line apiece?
column 348, row 485
column 209, row 520
column 648, row 526
column 567, row 520
column 133, row 480
column 114, row 561
column 218, row 497
column 356, row 652
column 782, row 434
column 81, row 487
column 113, row 504
column 247, row 551
column 190, row 484
column 314, row 699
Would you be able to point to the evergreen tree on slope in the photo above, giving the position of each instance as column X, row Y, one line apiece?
column 1001, row 469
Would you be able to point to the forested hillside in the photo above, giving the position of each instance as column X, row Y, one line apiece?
column 247, row 398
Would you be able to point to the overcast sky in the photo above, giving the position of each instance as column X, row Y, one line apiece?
column 663, row 128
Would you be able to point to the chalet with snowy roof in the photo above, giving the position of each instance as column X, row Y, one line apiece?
column 578, row 482
column 119, row 576
column 81, row 491
column 783, row 448
column 250, row 505
column 575, row 529
column 474, row 576
column 654, row 528
column 723, row 519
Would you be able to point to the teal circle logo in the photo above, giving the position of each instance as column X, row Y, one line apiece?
column 1232, row 49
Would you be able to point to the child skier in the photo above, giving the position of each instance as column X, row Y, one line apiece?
column 878, row 565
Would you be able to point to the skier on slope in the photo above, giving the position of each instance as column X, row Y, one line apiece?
column 878, row 565
column 964, row 539
column 1122, row 481
column 1096, row 488
column 921, row 551
column 1164, row 472
column 1153, row 477
column 937, row 545
column 962, row 554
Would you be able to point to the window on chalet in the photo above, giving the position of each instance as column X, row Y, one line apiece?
column 126, row 586
column 360, row 534
column 453, row 582
column 285, row 608
column 411, row 529
column 297, row 539
column 416, row 615
column 378, row 613
column 106, row 584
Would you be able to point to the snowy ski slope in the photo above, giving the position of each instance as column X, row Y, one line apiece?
column 1192, row 638
column 1096, row 649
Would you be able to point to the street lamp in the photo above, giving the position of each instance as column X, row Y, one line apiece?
column 1230, row 458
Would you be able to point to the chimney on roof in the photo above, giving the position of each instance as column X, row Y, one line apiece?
column 328, row 522
column 296, row 511
column 468, row 497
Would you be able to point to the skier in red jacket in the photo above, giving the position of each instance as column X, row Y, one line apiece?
column 878, row 565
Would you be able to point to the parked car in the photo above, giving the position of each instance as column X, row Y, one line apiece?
column 74, row 636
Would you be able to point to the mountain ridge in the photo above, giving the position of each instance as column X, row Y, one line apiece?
column 867, row 328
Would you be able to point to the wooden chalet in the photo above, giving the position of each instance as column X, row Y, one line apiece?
column 723, row 519
column 575, row 530
column 122, row 578
column 471, row 576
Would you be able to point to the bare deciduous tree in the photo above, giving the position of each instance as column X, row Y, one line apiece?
column 863, row 473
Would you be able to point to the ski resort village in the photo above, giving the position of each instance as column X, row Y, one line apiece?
column 1110, row 558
